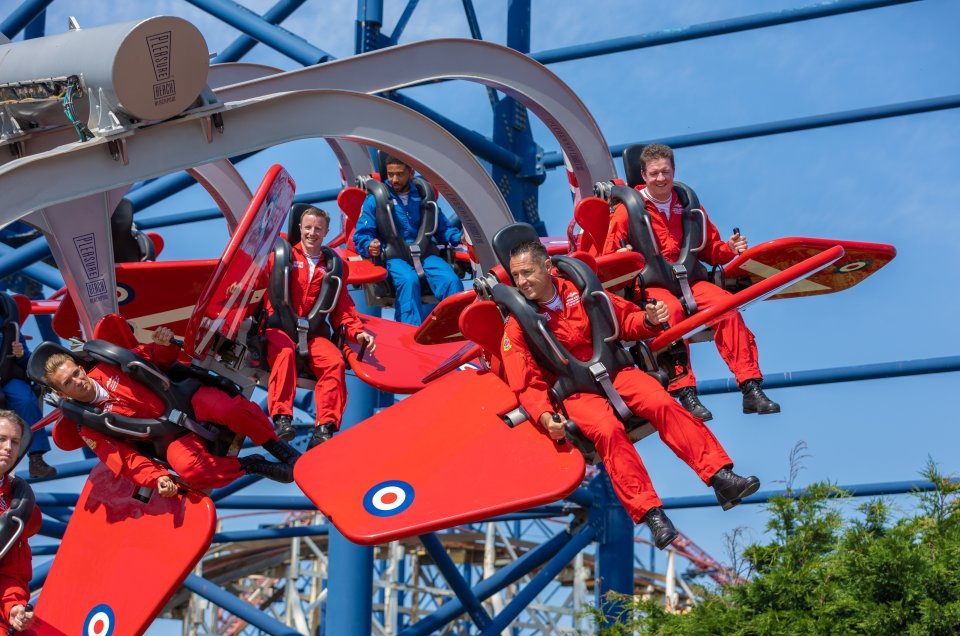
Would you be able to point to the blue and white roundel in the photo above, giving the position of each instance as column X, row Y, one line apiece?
column 388, row 498
column 124, row 294
column 99, row 622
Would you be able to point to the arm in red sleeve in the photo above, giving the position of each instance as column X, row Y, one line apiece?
column 716, row 251
column 619, row 230
column 345, row 314
column 630, row 317
column 15, row 573
column 524, row 376
column 123, row 460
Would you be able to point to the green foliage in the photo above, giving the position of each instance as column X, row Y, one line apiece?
column 821, row 574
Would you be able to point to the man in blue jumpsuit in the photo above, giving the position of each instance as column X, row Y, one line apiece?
column 406, row 200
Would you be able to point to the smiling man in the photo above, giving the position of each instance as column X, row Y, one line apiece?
column 568, row 319
column 323, row 357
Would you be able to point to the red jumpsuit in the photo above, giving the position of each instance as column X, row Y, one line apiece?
column 16, row 567
column 187, row 455
column 325, row 360
column 684, row 434
column 734, row 341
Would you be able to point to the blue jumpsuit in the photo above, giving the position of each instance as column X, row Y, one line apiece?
column 443, row 281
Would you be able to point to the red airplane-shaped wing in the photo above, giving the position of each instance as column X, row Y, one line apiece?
column 121, row 560
column 439, row 458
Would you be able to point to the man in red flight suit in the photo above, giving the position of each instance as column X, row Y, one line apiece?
column 108, row 387
column 16, row 567
column 325, row 360
column 558, row 300
column 734, row 341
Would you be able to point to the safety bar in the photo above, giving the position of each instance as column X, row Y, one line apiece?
column 336, row 296
column 703, row 226
column 613, row 316
column 436, row 218
column 13, row 539
column 125, row 431
column 553, row 345
column 147, row 368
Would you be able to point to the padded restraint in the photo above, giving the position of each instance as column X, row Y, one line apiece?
column 9, row 333
column 632, row 168
column 130, row 245
column 676, row 276
column 13, row 521
column 314, row 324
column 394, row 246
column 509, row 237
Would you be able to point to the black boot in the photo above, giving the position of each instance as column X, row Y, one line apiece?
column 39, row 468
column 321, row 433
column 661, row 527
column 755, row 400
column 687, row 396
column 731, row 487
column 283, row 425
column 282, row 451
column 258, row 465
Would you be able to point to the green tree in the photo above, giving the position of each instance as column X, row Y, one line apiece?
column 823, row 574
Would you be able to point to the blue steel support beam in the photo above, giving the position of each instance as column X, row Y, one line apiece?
column 856, row 490
column 511, row 130
column 40, row 272
column 841, row 374
column 228, row 601
column 37, row 27
column 23, row 15
column 40, row 573
column 244, row 44
column 455, row 580
column 710, row 29
column 277, row 38
column 555, row 159
column 402, row 21
column 369, row 21
column 64, row 471
column 237, row 485
column 549, row 572
column 349, row 607
column 614, row 546
column 52, row 529
column 474, row 25
column 488, row 587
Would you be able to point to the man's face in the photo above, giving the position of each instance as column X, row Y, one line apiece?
column 659, row 177
column 313, row 229
column 71, row 381
column 532, row 277
column 399, row 176
column 9, row 445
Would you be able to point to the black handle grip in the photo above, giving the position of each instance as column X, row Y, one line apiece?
column 11, row 632
column 664, row 324
column 562, row 440
column 623, row 242
column 363, row 350
column 177, row 341
column 736, row 230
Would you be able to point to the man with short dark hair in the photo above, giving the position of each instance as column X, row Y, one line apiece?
column 16, row 567
column 558, row 300
column 323, row 357
column 369, row 241
column 735, row 342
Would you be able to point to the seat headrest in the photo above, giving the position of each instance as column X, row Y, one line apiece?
column 631, row 164
column 507, row 238
column 40, row 356
column 482, row 323
column 114, row 328
column 9, row 311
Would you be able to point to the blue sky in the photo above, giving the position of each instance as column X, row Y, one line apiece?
column 890, row 181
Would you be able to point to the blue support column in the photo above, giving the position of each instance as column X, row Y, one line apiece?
column 455, row 580
column 511, row 130
column 22, row 16
column 350, row 583
column 369, row 21
column 614, row 545
column 244, row 44
column 37, row 27
column 228, row 601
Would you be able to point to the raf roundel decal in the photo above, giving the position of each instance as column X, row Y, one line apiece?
column 852, row 266
column 124, row 294
column 100, row 622
column 388, row 498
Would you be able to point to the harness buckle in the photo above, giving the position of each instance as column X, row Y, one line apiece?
column 602, row 377
column 415, row 257
column 689, row 304
column 176, row 416
column 303, row 329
